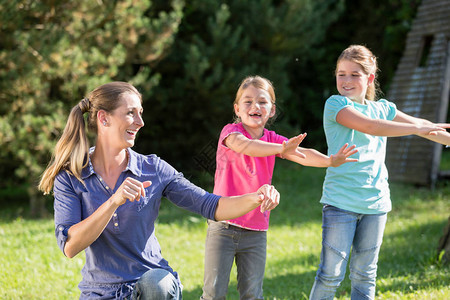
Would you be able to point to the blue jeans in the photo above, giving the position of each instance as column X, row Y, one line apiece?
column 341, row 230
column 157, row 284
column 224, row 244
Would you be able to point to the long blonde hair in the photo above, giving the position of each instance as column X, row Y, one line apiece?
column 72, row 149
column 259, row 83
column 368, row 62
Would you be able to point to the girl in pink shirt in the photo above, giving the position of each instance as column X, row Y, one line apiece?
column 245, row 160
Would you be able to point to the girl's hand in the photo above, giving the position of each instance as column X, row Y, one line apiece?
column 269, row 197
column 290, row 147
column 130, row 189
column 432, row 128
column 342, row 156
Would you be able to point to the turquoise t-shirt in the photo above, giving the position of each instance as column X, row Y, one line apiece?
column 360, row 187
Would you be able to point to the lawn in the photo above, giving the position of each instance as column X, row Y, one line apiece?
column 32, row 266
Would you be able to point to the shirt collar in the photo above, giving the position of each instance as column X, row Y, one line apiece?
column 134, row 162
column 132, row 166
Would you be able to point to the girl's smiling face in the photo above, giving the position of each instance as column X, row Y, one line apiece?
column 352, row 81
column 254, row 108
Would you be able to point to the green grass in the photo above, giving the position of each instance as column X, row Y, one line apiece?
column 32, row 266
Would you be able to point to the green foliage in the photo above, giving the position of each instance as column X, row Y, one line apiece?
column 53, row 52
column 218, row 44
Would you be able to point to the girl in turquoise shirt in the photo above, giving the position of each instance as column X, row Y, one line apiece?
column 356, row 196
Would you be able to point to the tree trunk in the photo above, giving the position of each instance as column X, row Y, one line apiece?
column 37, row 203
column 444, row 244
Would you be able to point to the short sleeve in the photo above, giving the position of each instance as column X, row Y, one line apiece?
column 389, row 108
column 333, row 105
column 229, row 129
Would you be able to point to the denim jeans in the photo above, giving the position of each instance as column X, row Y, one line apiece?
column 341, row 231
column 157, row 284
column 224, row 244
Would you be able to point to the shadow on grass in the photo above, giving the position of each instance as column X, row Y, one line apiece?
column 279, row 287
column 288, row 284
column 410, row 255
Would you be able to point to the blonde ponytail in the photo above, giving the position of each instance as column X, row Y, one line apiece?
column 71, row 151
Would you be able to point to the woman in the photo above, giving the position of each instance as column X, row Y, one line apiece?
column 107, row 199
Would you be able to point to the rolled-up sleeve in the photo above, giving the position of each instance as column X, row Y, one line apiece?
column 67, row 207
column 185, row 194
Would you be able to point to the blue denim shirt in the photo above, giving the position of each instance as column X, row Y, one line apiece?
column 128, row 246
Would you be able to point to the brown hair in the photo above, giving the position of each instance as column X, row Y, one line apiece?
column 368, row 62
column 72, row 149
column 258, row 82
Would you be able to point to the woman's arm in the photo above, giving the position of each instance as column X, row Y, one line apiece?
column 83, row 234
column 256, row 148
column 351, row 118
column 232, row 207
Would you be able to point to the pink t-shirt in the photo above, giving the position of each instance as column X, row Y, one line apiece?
column 238, row 174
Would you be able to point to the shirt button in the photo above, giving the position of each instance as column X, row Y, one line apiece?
column 101, row 179
column 107, row 187
column 115, row 215
column 61, row 228
column 116, row 224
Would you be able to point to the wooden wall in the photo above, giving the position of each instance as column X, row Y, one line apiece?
column 421, row 88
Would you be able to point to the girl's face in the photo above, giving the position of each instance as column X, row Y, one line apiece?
column 125, row 121
column 352, row 81
column 254, row 108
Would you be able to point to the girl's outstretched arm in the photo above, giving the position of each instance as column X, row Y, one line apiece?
column 316, row 159
column 289, row 150
column 351, row 118
column 256, row 148
column 442, row 137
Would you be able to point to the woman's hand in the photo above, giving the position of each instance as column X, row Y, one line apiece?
column 130, row 189
column 269, row 197
column 290, row 147
column 342, row 156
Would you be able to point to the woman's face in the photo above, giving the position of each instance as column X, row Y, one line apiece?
column 351, row 81
column 125, row 121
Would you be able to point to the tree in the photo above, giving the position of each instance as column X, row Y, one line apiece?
column 218, row 44
column 53, row 52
